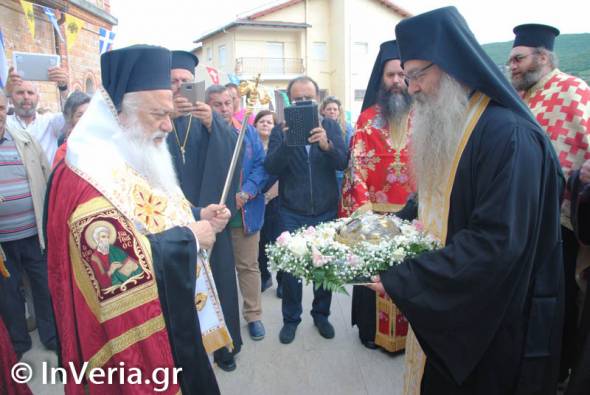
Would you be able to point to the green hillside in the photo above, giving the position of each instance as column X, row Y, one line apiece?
column 573, row 52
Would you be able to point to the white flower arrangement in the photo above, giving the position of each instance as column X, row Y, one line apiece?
column 314, row 254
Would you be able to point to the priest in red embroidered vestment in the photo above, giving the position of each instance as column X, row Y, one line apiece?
column 378, row 174
column 125, row 276
column 378, row 171
column 561, row 104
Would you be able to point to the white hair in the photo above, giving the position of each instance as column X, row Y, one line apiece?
column 152, row 161
column 98, row 231
column 437, row 128
column 102, row 247
column 131, row 102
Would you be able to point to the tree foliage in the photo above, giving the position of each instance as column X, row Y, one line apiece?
column 573, row 53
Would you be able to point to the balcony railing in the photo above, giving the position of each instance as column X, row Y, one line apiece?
column 280, row 66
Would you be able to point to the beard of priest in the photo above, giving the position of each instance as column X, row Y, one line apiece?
column 143, row 137
column 561, row 104
column 394, row 101
column 118, row 182
column 485, row 309
column 437, row 122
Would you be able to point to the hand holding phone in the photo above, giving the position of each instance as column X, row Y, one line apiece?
column 34, row 66
column 13, row 81
column 182, row 106
column 193, row 91
column 319, row 135
column 301, row 118
column 59, row 75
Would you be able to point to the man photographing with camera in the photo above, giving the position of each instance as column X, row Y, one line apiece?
column 308, row 193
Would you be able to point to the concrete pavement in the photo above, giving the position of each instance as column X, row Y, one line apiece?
column 310, row 365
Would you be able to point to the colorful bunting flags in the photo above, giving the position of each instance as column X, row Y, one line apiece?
column 51, row 16
column 214, row 74
column 73, row 27
column 105, row 40
column 29, row 15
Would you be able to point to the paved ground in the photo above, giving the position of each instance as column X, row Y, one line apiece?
column 310, row 365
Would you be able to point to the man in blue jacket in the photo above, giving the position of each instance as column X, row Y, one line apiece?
column 247, row 221
column 308, row 193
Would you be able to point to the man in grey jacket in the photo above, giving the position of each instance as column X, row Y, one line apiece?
column 23, row 181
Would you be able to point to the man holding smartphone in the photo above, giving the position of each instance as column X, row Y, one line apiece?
column 47, row 127
column 202, row 145
column 308, row 193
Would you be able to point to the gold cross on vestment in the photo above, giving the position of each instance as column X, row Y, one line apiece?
column 397, row 164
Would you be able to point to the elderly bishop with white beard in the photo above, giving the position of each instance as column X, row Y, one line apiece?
column 125, row 276
column 486, row 307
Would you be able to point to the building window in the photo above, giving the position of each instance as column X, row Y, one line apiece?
column 319, row 50
column 209, row 54
column 222, row 55
column 359, row 94
column 275, row 52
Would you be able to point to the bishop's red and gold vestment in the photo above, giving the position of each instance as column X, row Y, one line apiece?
column 128, row 288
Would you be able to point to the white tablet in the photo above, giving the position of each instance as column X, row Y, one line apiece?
column 33, row 66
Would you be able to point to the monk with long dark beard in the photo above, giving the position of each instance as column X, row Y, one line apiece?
column 378, row 175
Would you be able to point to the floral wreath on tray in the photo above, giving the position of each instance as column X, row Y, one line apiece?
column 348, row 250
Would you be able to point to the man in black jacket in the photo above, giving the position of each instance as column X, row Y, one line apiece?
column 308, row 194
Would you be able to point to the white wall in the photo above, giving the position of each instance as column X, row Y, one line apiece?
column 373, row 23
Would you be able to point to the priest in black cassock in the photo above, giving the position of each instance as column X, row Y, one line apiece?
column 487, row 307
column 579, row 186
column 202, row 144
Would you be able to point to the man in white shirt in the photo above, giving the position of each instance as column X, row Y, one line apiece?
column 47, row 127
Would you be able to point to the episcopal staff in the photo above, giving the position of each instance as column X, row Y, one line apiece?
column 202, row 145
column 122, row 241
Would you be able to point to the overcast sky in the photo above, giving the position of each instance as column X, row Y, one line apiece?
column 176, row 23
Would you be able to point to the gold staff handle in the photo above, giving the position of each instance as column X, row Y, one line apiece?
column 251, row 94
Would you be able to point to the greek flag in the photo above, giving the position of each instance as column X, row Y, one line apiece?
column 105, row 40
column 53, row 20
column 3, row 63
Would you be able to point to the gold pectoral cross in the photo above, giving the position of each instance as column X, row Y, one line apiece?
column 183, row 145
column 397, row 164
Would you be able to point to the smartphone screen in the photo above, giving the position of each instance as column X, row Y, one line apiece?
column 193, row 91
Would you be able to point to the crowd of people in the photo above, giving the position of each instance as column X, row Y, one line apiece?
column 112, row 209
